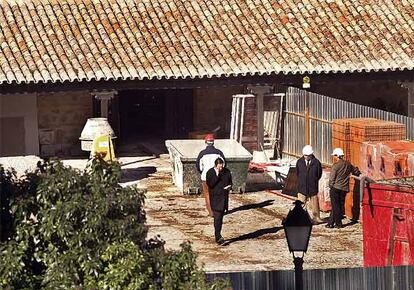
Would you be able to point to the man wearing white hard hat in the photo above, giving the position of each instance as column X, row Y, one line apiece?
column 339, row 186
column 309, row 171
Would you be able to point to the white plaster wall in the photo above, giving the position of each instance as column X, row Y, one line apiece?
column 23, row 105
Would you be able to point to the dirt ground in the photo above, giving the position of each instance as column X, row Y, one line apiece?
column 252, row 227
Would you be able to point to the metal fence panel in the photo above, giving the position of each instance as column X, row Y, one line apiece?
column 322, row 111
column 375, row 278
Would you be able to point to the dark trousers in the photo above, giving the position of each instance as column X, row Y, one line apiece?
column 338, row 203
column 218, row 223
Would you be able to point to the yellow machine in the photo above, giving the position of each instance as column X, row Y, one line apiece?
column 103, row 146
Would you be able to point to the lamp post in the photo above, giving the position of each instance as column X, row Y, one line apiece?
column 298, row 227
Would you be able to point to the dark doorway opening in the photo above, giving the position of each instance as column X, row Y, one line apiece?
column 148, row 117
column 141, row 114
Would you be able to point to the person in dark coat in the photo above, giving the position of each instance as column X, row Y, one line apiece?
column 309, row 171
column 205, row 161
column 219, row 182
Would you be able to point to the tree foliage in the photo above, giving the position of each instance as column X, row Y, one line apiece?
column 66, row 229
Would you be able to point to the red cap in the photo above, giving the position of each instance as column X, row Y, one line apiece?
column 209, row 138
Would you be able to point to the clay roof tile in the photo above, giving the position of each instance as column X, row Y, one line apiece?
column 68, row 40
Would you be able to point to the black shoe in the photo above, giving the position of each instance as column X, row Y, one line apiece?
column 220, row 241
column 329, row 226
column 339, row 226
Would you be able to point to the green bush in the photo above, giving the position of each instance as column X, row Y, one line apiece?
column 66, row 229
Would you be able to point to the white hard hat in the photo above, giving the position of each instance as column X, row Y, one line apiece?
column 307, row 150
column 338, row 152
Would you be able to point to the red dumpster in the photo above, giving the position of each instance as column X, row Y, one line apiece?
column 388, row 223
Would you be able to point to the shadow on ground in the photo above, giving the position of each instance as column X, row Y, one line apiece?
column 138, row 161
column 251, row 206
column 135, row 174
column 253, row 235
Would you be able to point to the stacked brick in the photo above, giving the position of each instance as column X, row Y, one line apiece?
column 249, row 138
column 358, row 138
column 387, row 159
column 349, row 134
column 370, row 161
column 411, row 163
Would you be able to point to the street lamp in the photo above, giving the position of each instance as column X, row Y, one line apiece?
column 298, row 228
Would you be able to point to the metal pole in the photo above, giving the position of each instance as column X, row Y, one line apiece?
column 260, row 117
column 363, row 179
column 236, row 129
column 241, row 121
column 307, row 119
column 233, row 114
column 298, row 261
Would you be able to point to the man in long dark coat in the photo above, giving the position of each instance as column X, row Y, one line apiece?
column 219, row 183
column 204, row 162
column 309, row 171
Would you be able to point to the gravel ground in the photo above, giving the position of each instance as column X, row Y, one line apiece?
column 252, row 228
column 20, row 163
column 256, row 240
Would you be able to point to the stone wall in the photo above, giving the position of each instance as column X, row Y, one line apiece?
column 212, row 108
column 61, row 119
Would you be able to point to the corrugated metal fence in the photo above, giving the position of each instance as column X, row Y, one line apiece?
column 384, row 278
column 322, row 110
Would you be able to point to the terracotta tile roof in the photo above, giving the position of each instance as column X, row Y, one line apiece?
column 67, row 40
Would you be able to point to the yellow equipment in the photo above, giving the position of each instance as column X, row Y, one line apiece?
column 102, row 146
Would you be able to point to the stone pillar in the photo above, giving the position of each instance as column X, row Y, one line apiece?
column 260, row 91
column 104, row 98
